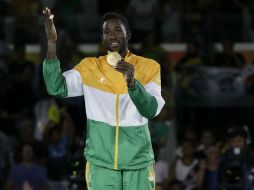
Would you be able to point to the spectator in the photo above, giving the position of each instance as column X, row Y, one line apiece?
column 207, row 139
column 185, row 168
column 160, row 169
column 188, row 134
column 57, row 162
column 41, row 112
column 228, row 57
column 237, row 161
column 207, row 178
column 26, row 135
column 27, row 175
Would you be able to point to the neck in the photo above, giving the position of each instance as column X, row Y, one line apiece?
column 124, row 53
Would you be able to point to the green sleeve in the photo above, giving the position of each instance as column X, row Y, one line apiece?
column 145, row 103
column 54, row 79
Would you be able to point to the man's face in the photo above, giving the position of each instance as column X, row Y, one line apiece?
column 115, row 36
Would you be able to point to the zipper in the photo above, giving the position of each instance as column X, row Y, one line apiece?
column 117, row 132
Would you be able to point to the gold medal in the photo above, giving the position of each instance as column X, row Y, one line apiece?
column 113, row 58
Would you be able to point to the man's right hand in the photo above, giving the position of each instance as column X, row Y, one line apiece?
column 49, row 25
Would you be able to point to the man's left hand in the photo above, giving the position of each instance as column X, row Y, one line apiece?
column 127, row 70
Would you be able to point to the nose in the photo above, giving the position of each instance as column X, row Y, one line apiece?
column 112, row 35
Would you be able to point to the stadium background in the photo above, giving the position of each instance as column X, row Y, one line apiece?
column 208, row 87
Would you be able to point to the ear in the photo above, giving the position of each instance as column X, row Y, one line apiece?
column 128, row 35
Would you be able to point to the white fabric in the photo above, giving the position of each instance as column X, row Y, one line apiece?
column 182, row 170
column 74, row 83
column 101, row 106
column 155, row 90
column 128, row 112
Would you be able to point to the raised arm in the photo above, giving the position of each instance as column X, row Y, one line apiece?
column 57, row 83
column 50, row 30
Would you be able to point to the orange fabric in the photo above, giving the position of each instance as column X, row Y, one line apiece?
column 97, row 73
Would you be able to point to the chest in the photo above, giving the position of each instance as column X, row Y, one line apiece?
column 106, row 78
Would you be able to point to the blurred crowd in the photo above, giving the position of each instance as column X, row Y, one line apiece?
column 207, row 160
column 171, row 20
column 42, row 137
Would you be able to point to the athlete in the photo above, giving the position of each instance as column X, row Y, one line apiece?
column 121, row 91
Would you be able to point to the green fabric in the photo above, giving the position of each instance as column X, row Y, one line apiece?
column 100, row 178
column 145, row 103
column 54, row 79
column 134, row 146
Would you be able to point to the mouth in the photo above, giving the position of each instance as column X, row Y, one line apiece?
column 114, row 45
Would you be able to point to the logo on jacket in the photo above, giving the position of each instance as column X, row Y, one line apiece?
column 102, row 80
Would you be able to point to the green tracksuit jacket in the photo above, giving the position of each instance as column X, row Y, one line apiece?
column 117, row 127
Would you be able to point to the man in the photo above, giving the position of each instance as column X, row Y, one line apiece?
column 236, row 163
column 27, row 175
column 119, row 100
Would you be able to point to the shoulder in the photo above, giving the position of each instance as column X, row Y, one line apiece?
column 143, row 61
column 88, row 62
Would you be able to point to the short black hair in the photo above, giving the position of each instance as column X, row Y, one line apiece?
column 112, row 15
